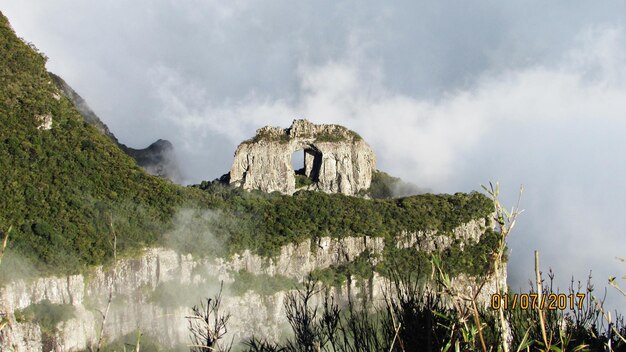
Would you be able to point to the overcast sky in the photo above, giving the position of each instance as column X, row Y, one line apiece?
column 450, row 95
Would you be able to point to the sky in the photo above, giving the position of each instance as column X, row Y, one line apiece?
column 450, row 95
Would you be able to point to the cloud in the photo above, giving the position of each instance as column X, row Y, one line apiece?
column 556, row 128
column 449, row 95
column 422, row 139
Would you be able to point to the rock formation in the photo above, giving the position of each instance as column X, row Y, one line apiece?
column 44, row 122
column 336, row 160
column 157, row 159
column 139, row 282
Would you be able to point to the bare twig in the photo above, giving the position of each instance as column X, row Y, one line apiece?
column 456, row 296
column 506, row 222
column 606, row 316
column 614, row 284
column 5, row 240
column 478, row 325
column 542, row 321
column 6, row 320
column 207, row 325
column 608, row 319
column 105, row 314
column 395, row 337
column 138, row 341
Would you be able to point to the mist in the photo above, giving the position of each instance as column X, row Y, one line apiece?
column 449, row 95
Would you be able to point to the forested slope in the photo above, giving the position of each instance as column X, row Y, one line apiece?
column 66, row 188
column 61, row 186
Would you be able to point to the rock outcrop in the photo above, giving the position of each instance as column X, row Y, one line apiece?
column 158, row 159
column 336, row 160
column 138, row 283
column 44, row 122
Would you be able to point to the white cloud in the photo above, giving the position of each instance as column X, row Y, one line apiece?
column 449, row 97
column 527, row 125
column 420, row 139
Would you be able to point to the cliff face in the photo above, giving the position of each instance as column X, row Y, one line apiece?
column 138, row 283
column 336, row 160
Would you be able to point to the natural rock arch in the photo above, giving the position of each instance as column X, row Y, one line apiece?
column 336, row 159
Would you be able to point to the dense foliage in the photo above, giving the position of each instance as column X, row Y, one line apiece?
column 269, row 136
column 265, row 222
column 262, row 284
column 386, row 186
column 62, row 188
column 473, row 260
column 337, row 135
column 46, row 314
column 303, row 181
column 69, row 190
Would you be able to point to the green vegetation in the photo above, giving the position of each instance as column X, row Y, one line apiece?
column 265, row 222
column 269, row 135
column 330, row 137
column 147, row 343
column 62, row 188
column 174, row 294
column 382, row 185
column 360, row 268
column 67, row 188
column 262, row 284
column 386, row 186
column 46, row 314
column 472, row 260
column 333, row 133
column 303, row 181
column 337, row 135
column 414, row 318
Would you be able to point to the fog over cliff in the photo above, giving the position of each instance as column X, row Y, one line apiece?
column 449, row 95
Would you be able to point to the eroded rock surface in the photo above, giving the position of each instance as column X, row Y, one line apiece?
column 336, row 160
column 151, row 292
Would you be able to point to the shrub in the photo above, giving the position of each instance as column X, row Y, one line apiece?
column 46, row 314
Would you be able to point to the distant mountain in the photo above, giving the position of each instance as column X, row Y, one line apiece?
column 158, row 158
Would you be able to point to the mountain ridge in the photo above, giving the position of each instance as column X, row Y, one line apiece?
column 64, row 182
column 157, row 159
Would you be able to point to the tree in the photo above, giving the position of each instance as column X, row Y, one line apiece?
column 207, row 326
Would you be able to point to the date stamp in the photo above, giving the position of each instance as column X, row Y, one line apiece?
column 526, row 301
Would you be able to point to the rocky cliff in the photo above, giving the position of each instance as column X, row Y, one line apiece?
column 151, row 293
column 336, row 160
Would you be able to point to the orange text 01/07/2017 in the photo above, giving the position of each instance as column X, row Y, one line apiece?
column 552, row 301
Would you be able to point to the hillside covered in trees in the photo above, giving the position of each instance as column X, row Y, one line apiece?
column 66, row 188
column 71, row 199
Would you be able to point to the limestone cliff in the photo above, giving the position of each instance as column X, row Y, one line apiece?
column 136, row 282
column 336, row 160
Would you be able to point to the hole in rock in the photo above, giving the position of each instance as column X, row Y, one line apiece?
column 297, row 162
column 306, row 165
